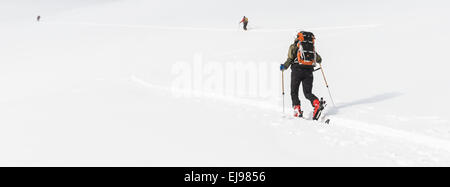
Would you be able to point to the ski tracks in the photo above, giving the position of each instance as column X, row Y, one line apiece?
column 210, row 29
column 337, row 121
column 381, row 130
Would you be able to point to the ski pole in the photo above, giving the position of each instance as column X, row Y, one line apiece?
column 282, row 87
column 326, row 83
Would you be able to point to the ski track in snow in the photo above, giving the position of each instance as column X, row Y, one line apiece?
column 229, row 99
column 393, row 133
column 371, row 128
column 155, row 27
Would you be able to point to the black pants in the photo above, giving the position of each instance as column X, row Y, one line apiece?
column 245, row 25
column 304, row 76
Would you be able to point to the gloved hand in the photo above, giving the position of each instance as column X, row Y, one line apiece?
column 319, row 59
column 282, row 67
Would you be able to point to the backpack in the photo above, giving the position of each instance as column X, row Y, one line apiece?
column 306, row 54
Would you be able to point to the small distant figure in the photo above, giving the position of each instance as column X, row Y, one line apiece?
column 245, row 21
column 38, row 18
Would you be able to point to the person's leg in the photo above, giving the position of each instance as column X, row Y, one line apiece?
column 307, row 85
column 245, row 25
column 295, row 84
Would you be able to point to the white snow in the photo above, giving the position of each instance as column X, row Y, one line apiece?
column 177, row 83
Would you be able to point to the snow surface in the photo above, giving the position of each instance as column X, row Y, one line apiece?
column 177, row 83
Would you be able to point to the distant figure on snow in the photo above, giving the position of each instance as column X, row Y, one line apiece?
column 245, row 21
column 38, row 18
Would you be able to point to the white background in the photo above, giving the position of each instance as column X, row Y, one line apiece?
column 92, row 83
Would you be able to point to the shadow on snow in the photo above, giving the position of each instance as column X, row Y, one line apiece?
column 369, row 100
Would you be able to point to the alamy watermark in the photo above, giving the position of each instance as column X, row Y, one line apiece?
column 234, row 78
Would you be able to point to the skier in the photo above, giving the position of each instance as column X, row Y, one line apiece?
column 302, row 59
column 245, row 21
column 38, row 18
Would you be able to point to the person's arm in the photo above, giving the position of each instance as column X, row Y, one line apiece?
column 290, row 58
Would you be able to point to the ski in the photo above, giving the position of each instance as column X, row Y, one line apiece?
column 324, row 120
column 317, row 116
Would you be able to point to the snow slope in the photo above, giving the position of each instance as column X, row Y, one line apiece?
column 177, row 83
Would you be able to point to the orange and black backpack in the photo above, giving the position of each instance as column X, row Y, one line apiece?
column 306, row 54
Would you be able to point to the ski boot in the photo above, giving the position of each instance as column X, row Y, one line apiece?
column 318, row 107
column 298, row 113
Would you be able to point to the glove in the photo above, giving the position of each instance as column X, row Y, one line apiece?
column 319, row 59
column 282, row 67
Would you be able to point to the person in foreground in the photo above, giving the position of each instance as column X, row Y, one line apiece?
column 302, row 58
